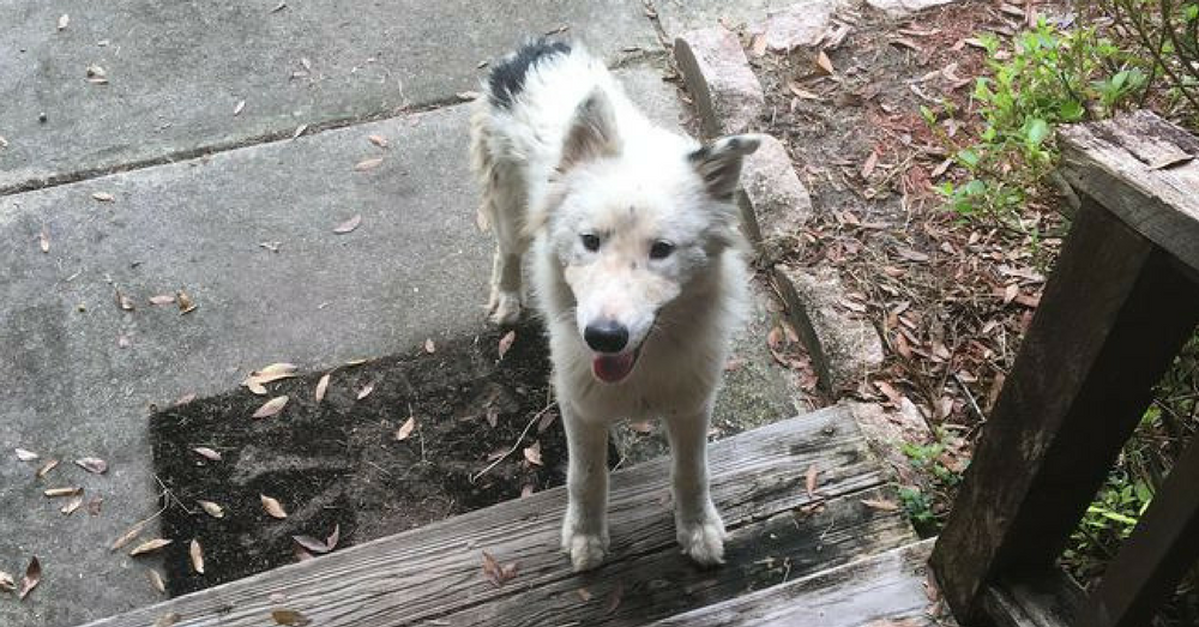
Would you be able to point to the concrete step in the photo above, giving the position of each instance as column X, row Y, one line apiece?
column 177, row 71
column 81, row 372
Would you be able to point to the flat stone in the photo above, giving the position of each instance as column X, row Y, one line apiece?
column 900, row 8
column 178, row 71
column 774, row 202
column 80, row 373
column 724, row 88
column 799, row 25
column 844, row 348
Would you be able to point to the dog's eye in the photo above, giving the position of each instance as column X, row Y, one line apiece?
column 660, row 250
column 591, row 241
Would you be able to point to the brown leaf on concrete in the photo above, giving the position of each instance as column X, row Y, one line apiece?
column 50, row 464
column 7, row 583
column 26, row 455
column 43, row 241
column 94, row 505
column 162, row 299
column 127, row 537
column 186, row 305
column 207, row 453
column 348, row 226
column 273, row 507
column 94, row 465
column 378, row 140
column 123, row 301
column 54, row 493
column 72, row 505
column 368, row 164
column 33, row 576
column 103, row 196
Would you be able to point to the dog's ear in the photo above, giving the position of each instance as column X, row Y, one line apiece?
column 719, row 163
column 592, row 133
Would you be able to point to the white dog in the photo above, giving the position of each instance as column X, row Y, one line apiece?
column 636, row 269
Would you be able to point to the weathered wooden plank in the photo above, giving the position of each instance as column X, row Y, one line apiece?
column 885, row 587
column 1154, row 558
column 435, row 570
column 1143, row 169
column 787, row 546
column 1114, row 314
column 1051, row 600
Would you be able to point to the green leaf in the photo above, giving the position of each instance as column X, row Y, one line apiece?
column 1037, row 131
column 968, row 157
column 1071, row 110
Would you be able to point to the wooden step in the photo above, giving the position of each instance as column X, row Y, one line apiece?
column 433, row 575
column 879, row 591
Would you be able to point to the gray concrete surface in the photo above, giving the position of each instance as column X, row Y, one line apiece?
column 177, row 70
column 679, row 16
column 416, row 267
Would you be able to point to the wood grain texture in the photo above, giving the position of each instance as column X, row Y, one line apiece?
column 1049, row 600
column 1144, row 170
column 884, row 589
column 419, row 576
column 1114, row 314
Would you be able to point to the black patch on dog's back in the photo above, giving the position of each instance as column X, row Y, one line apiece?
column 507, row 79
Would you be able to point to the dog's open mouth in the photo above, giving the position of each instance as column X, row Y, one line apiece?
column 614, row 368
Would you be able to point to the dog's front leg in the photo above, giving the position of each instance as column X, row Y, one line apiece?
column 585, row 529
column 698, row 527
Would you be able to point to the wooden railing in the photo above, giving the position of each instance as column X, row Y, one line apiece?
column 1121, row 302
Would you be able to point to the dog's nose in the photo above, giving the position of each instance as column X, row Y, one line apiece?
column 606, row 336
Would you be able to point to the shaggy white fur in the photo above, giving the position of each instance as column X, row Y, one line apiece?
column 636, row 267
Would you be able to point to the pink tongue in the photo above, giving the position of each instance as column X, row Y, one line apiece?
column 612, row 368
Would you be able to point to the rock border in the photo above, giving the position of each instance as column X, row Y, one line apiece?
column 775, row 205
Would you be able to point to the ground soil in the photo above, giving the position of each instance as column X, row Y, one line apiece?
column 339, row 464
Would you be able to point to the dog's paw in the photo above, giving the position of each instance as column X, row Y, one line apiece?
column 505, row 307
column 702, row 539
column 587, row 550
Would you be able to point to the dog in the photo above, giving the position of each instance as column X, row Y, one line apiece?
column 637, row 268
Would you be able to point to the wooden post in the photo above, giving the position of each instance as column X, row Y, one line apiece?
column 1154, row 558
column 1115, row 312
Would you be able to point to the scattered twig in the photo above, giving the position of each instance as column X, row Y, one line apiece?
column 515, row 445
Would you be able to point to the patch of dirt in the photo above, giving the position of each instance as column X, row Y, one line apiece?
column 950, row 299
column 338, row 464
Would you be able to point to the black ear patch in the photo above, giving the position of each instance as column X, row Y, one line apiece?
column 719, row 163
column 507, row 78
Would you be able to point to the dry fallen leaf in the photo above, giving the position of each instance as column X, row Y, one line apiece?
column 196, row 552
column 123, row 301
column 156, row 581
column 506, row 343
column 63, row 21
column 405, row 429
column 94, row 465
column 207, row 453
column 881, row 504
column 869, row 165
column 33, row 576
column 271, row 407
column 614, row 598
column 43, row 241
column 321, row 387
column 94, row 505
column 299, row 131
column 823, row 62
column 430, row 347
column 584, row 594
column 150, row 546
column 496, row 573
column 50, row 464
column 241, row 104
column 378, row 140
column 319, row 546
column 365, row 391
column 291, row 618
column 59, row 492
column 162, row 299
column 127, row 537
column 757, row 45
column 72, row 505
column 533, row 453
column 348, row 225
column 272, row 507
column 168, row 619
column 186, row 304
column 26, row 456
column 7, row 583
column 97, row 75
column 103, row 196
column 810, row 480
column 368, row 164
column 212, row 509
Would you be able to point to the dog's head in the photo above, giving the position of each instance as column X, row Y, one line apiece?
column 632, row 221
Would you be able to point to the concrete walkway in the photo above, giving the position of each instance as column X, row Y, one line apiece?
column 79, row 372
